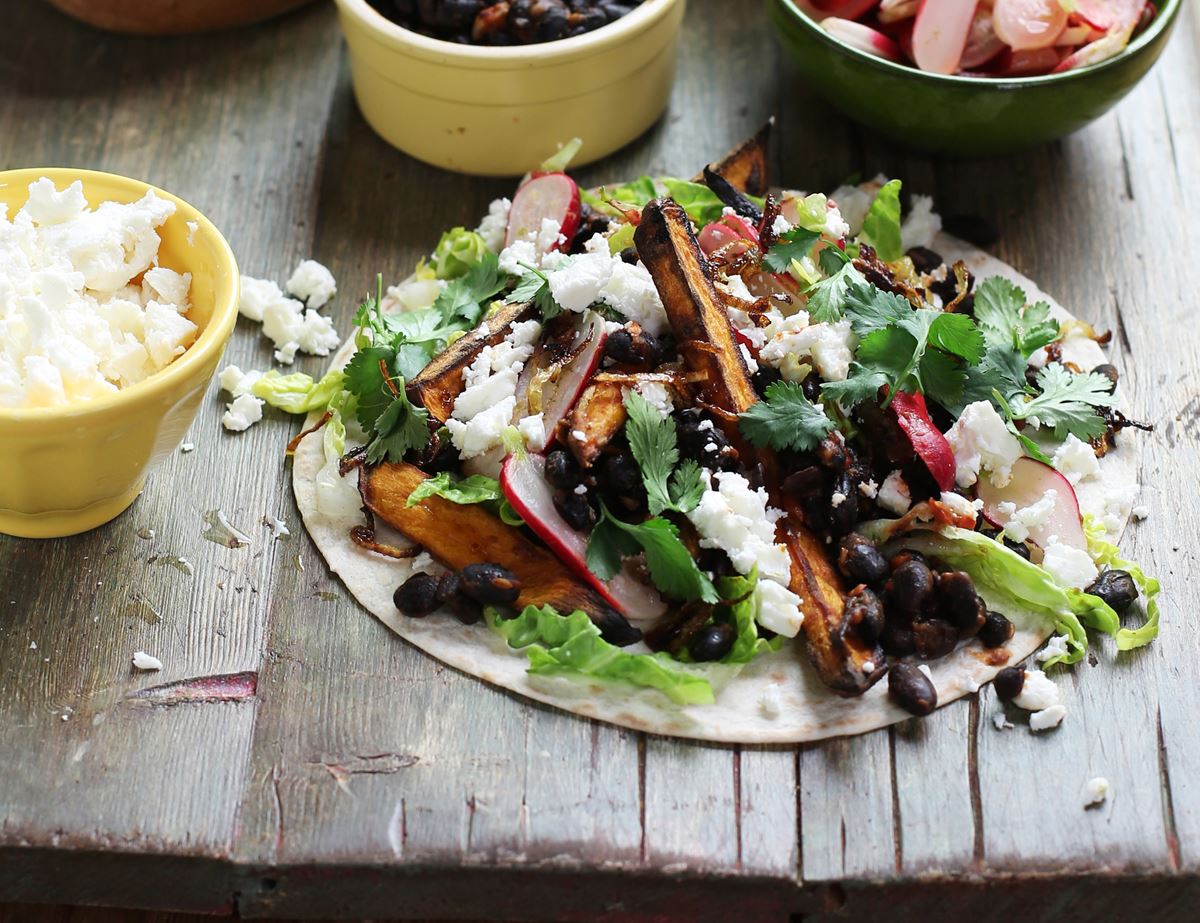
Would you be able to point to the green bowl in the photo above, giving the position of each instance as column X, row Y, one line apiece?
column 964, row 116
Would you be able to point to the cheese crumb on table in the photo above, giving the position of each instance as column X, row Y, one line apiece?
column 312, row 283
column 1095, row 792
column 147, row 662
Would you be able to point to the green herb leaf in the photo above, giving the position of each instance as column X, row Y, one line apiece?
column 607, row 546
column 402, row 427
column 862, row 384
column 881, row 227
column 700, row 202
column 1067, row 402
column 687, row 486
column 653, row 441
column 785, row 419
column 1001, row 312
column 827, row 298
column 534, row 287
column 465, row 297
column 796, row 244
column 671, row 566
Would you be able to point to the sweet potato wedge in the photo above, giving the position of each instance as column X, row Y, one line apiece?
column 458, row 535
column 599, row 414
column 438, row 384
column 745, row 167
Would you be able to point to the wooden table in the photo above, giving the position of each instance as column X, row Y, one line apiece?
column 294, row 758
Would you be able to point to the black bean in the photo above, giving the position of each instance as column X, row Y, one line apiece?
column 562, row 471
column 864, row 614
column 449, row 593
column 996, row 630
column 861, row 561
column 575, row 509
column 897, row 640
column 972, row 228
column 696, row 434
column 614, row 627
column 417, row 596
column 489, row 584
column 811, row 386
column 1110, row 372
column 764, row 378
column 712, row 642
column 959, row 604
column 716, row 562
column 911, row 689
column 1009, row 682
column 910, row 588
column 621, row 482
column 633, row 346
column 831, row 452
column 934, row 638
column 924, row 259
column 1115, row 587
column 903, row 556
column 630, row 255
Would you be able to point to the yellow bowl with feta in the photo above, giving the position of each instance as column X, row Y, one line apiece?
column 496, row 111
column 93, row 391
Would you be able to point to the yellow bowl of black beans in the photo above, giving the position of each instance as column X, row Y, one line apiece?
column 492, row 88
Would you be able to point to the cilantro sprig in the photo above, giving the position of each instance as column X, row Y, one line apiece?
column 671, row 566
column 785, row 419
column 1007, row 322
column 796, row 244
column 395, row 425
column 653, row 440
column 827, row 298
column 534, row 287
column 1066, row 403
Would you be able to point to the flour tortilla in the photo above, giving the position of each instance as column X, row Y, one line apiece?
column 778, row 697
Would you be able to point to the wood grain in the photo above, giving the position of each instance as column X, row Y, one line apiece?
column 345, row 774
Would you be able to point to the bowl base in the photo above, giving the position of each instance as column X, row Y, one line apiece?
column 61, row 523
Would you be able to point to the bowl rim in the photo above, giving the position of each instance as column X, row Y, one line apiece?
column 647, row 14
column 1165, row 17
column 212, row 338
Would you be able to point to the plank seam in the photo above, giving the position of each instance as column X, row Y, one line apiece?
column 641, row 771
column 1168, row 802
column 973, row 776
column 1125, row 171
column 897, row 826
column 737, row 801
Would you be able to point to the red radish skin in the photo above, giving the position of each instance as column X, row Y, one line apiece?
column 1027, row 63
column 1026, row 25
column 1104, row 14
column 1030, row 481
column 926, row 439
column 845, row 9
column 1109, row 46
column 861, row 37
column 524, row 483
column 572, row 380
column 940, row 34
column 548, row 195
column 983, row 44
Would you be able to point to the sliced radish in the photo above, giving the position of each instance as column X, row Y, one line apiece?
column 940, row 34
column 524, row 483
column 1030, row 481
column 982, row 42
column 1025, row 25
column 861, row 37
column 1074, row 35
column 1104, row 14
column 1109, row 46
column 844, row 9
column 553, row 196
column 893, row 11
column 926, row 439
column 565, row 383
column 1027, row 63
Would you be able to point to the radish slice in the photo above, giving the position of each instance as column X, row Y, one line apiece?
column 1025, row 25
column 893, row 11
column 524, row 483
column 553, row 196
column 940, row 34
column 844, row 9
column 862, row 38
column 1074, row 35
column 560, row 394
column 1104, row 14
column 1027, row 63
column 982, row 42
column 1030, row 481
column 1109, row 46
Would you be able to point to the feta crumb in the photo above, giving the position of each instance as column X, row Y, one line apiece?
column 33, row 645
column 778, row 608
column 424, row 564
column 186, row 447
column 237, row 382
column 837, row 499
column 598, row 277
column 1019, row 523
column 1000, row 721
column 657, row 395
column 710, row 446
column 1076, row 460
column 1038, row 692
column 533, row 429
column 494, row 225
column 286, row 322
column 1095, row 792
column 705, row 425
column 829, row 346
column 1055, row 647
column 921, row 225
column 960, row 505
column 312, row 283
column 770, row 703
column 869, row 488
column 780, row 226
column 855, row 201
column 868, row 666
column 894, row 495
column 1140, row 512
column 243, row 413
column 981, row 441
column 144, row 661
column 1069, row 566
column 278, row 527
column 581, row 489
column 193, row 227
column 578, row 435
column 256, row 295
column 1047, row 718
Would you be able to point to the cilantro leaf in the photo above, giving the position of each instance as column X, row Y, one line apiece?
column 870, row 308
column 1067, row 402
column 687, row 486
column 653, row 441
column 1000, row 370
column 671, row 566
column 464, row 298
column 827, row 297
column 399, row 429
column 1001, row 312
column 534, row 287
column 955, row 334
column 1032, row 449
column 862, row 384
column 785, row 419
column 796, row 244
column 881, row 227
column 382, row 409
column 365, row 379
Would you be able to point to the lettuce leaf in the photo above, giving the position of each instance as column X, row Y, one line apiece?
column 881, row 227
column 478, row 488
column 571, row 646
column 298, row 393
column 700, row 202
column 742, row 606
column 1006, row 575
column 561, row 159
column 1106, row 554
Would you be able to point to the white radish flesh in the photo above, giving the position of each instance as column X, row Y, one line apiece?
column 862, row 38
column 553, row 196
column 982, row 42
column 1108, row 47
column 1025, row 25
column 940, row 34
column 560, row 395
column 1104, row 14
column 1030, row 481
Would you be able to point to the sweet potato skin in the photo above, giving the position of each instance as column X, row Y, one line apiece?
column 458, row 535
column 745, row 167
column 595, row 420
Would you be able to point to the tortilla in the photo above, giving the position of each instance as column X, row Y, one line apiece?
column 777, row 698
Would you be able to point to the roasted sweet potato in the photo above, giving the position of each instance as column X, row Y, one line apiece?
column 438, row 384
column 745, row 167
column 599, row 413
column 458, row 535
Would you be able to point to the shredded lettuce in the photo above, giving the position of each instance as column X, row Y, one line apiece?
column 298, row 393
column 813, row 212
column 881, row 227
column 621, row 238
column 637, row 194
column 700, row 202
column 571, row 646
column 456, row 252
column 1106, row 554
column 478, row 488
column 742, row 606
column 1003, row 573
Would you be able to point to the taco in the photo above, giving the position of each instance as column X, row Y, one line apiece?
column 708, row 459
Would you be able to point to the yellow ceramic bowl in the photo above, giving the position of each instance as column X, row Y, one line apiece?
column 501, row 111
column 70, row 469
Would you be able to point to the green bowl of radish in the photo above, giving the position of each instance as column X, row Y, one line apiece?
column 959, row 78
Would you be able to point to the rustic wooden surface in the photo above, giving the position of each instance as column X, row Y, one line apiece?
column 333, row 771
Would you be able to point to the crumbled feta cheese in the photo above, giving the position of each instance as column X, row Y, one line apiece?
column 186, row 447
column 1038, row 692
column 869, row 488
column 748, row 358
column 73, row 326
column 277, row 526
column 705, row 425
column 416, row 294
column 256, row 295
column 1069, row 566
column 1000, row 721
column 286, row 321
column 770, row 703
column 193, row 227
column 1095, row 792
column 710, row 446
column 144, row 661
column 981, row 441
column 837, row 499
column 581, row 489
column 893, row 494
column 830, row 346
column 921, row 225
column 312, row 283
column 517, row 257
column 855, row 201
column 1076, row 460
column 237, row 382
column 778, row 608
column 494, row 225
column 1047, row 718
column 960, row 505
column 424, row 564
column 657, row 395
column 868, row 666
column 533, row 429
column 243, row 413
column 549, row 236
column 738, row 520
column 1018, row 523
column 835, row 225
column 1055, row 647
column 780, row 226
column 596, row 276
column 735, row 285
column 1140, row 512
column 1118, row 504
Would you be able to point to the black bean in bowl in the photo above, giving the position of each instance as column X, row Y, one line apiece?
column 507, row 22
